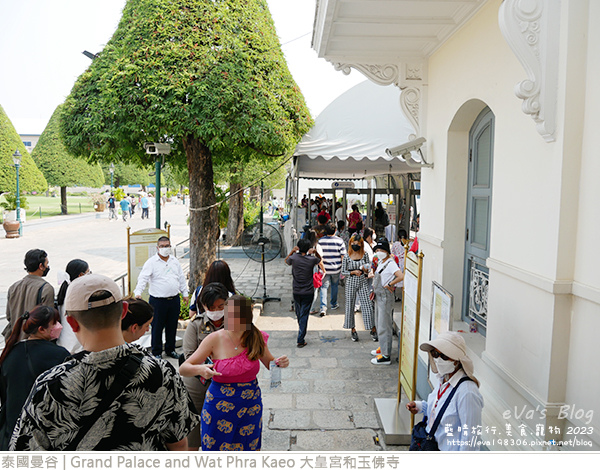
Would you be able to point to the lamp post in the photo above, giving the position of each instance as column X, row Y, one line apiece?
column 112, row 172
column 17, row 160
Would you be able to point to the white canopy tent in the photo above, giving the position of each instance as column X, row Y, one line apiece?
column 350, row 136
column 349, row 141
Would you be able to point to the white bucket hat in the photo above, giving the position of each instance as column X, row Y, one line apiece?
column 453, row 345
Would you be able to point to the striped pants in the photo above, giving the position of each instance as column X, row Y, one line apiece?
column 358, row 286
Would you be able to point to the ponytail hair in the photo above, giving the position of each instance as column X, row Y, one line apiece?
column 40, row 317
column 74, row 269
column 252, row 338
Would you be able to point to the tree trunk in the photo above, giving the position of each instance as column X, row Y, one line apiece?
column 235, row 220
column 204, row 224
column 255, row 193
column 63, row 200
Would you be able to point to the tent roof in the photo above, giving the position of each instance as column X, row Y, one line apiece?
column 350, row 136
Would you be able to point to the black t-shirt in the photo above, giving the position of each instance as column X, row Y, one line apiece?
column 24, row 363
column 302, row 273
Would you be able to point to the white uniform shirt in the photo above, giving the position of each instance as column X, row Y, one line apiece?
column 462, row 419
column 165, row 277
column 387, row 270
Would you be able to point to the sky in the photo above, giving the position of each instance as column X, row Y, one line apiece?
column 41, row 45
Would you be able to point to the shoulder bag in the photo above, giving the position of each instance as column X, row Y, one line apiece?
column 421, row 439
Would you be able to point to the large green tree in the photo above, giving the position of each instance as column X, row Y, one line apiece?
column 205, row 76
column 30, row 177
column 60, row 167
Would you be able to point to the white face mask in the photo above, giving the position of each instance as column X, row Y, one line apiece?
column 444, row 367
column 380, row 255
column 165, row 251
column 215, row 315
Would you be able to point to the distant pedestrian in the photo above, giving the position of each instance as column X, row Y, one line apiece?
column 353, row 218
column 30, row 291
column 112, row 207
column 166, row 279
column 75, row 268
column 355, row 267
column 22, row 361
column 387, row 276
column 125, row 208
column 303, row 258
column 340, row 213
column 112, row 396
column 145, row 202
column 334, row 250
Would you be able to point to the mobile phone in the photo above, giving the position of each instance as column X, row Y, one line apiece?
column 204, row 381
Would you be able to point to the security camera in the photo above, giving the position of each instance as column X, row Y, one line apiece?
column 153, row 148
column 405, row 149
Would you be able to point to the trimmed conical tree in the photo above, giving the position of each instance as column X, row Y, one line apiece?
column 30, row 177
column 60, row 167
column 206, row 76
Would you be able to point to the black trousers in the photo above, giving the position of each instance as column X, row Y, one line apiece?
column 166, row 317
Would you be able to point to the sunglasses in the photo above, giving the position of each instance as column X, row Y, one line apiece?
column 435, row 354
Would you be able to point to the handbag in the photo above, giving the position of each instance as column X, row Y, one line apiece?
column 423, row 440
column 317, row 279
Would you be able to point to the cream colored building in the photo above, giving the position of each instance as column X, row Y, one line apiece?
column 507, row 96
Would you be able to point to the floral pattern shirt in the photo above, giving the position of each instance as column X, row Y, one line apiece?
column 154, row 408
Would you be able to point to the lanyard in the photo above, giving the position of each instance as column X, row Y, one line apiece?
column 440, row 394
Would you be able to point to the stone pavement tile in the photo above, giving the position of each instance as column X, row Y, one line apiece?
column 329, row 386
column 290, row 419
column 365, row 419
column 274, row 401
column 323, row 362
column 292, row 386
column 364, row 387
column 355, row 403
column 275, row 441
column 313, row 401
column 310, row 374
column 333, row 419
column 361, row 440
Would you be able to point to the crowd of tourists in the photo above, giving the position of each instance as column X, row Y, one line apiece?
column 73, row 375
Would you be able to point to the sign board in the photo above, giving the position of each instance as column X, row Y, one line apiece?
column 391, row 212
column 409, row 331
column 141, row 245
column 441, row 314
column 342, row 185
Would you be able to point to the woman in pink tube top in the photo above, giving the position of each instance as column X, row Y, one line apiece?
column 232, row 411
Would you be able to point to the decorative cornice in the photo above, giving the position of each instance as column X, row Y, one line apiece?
column 386, row 74
column 410, row 102
column 531, row 29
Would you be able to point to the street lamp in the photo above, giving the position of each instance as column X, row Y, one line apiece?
column 17, row 160
column 112, row 172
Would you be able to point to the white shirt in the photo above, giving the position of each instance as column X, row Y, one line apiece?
column 387, row 270
column 165, row 277
column 463, row 414
column 340, row 214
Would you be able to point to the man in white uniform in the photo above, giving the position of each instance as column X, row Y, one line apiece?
column 166, row 279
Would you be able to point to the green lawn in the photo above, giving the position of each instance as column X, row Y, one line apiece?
column 50, row 206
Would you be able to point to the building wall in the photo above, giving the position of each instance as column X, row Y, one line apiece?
column 543, row 297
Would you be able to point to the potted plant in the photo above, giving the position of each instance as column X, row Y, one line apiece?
column 99, row 202
column 11, row 224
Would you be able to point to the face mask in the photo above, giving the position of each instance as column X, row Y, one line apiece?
column 45, row 273
column 380, row 255
column 55, row 331
column 165, row 251
column 444, row 367
column 356, row 247
column 215, row 315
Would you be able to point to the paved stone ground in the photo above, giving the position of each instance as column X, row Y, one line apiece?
column 326, row 398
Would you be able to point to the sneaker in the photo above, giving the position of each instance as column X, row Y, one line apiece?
column 354, row 335
column 335, row 307
column 374, row 336
column 323, row 313
column 158, row 356
column 173, row 354
column 376, row 352
column 381, row 360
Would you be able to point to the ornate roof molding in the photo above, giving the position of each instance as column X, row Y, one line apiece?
column 531, row 28
column 385, row 74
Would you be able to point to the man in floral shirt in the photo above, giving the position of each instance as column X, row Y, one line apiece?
column 151, row 410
